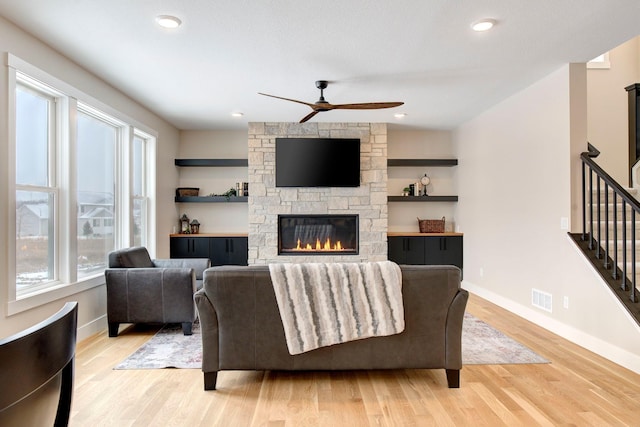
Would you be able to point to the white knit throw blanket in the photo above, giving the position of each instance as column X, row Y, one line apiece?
column 323, row 304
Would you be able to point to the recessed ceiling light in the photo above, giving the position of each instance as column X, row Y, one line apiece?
column 483, row 25
column 168, row 21
column 399, row 115
column 237, row 114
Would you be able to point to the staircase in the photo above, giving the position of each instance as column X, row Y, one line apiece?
column 611, row 231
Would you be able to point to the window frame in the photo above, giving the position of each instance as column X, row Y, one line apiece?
column 51, row 187
column 68, row 102
column 600, row 62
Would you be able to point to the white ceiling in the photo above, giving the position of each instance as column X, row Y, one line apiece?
column 422, row 52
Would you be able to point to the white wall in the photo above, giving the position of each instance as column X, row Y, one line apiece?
column 213, row 217
column 92, row 303
column 423, row 144
column 608, row 125
column 514, row 181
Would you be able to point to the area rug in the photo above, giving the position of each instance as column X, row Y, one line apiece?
column 482, row 344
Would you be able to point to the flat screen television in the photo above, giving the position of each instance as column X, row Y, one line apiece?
column 317, row 162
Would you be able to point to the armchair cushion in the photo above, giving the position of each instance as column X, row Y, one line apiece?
column 137, row 257
column 199, row 265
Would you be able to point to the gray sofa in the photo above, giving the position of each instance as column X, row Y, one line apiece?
column 142, row 290
column 242, row 329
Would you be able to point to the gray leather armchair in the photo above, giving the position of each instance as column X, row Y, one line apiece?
column 142, row 290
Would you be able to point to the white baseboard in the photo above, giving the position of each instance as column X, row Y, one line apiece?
column 93, row 327
column 607, row 350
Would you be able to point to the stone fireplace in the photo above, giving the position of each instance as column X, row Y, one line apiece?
column 317, row 234
column 267, row 202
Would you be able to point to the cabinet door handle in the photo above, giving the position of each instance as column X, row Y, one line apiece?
column 226, row 245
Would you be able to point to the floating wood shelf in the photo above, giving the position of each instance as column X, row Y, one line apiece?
column 422, row 199
column 422, row 162
column 212, row 199
column 212, row 162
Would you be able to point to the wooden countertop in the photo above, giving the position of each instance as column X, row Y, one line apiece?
column 416, row 233
column 390, row 234
column 210, row 235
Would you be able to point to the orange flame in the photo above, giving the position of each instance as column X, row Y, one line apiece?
column 327, row 246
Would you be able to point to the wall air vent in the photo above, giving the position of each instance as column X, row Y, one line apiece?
column 542, row 300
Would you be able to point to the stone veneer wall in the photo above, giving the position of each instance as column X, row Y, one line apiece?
column 266, row 201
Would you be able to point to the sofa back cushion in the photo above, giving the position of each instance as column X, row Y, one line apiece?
column 136, row 257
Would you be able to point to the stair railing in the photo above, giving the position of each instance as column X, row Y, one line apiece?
column 602, row 248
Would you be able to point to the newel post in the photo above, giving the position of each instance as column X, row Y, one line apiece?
column 634, row 131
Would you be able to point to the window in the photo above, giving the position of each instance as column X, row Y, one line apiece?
column 139, row 191
column 82, row 185
column 97, row 139
column 600, row 62
column 36, row 191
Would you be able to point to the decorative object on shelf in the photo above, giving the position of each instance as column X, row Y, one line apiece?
column 416, row 189
column 245, row 188
column 187, row 192
column 425, row 180
column 431, row 225
column 195, row 226
column 228, row 194
column 185, row 227
column 405, row 191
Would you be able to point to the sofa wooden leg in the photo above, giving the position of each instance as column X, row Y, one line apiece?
column 210, row 379
column 186, row 328
column 113, row 329
column 453, row 378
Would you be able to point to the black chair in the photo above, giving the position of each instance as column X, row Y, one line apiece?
column 36, row 372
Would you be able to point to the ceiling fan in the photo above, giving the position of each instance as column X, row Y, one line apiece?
column 322, row 105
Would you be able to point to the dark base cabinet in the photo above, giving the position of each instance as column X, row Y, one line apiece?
column 426, row 250
column 229, row 250
column 189, row 247
column 406, row 250
column 220, row 250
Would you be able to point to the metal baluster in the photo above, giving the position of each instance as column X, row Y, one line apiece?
column 584, row 202
column 615, row 235
column 633, row 256
column 623, row 286
column 606, row 264
column 599, row 241
column 590, row 208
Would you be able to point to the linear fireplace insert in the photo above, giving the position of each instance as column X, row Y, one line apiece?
column 317, row 234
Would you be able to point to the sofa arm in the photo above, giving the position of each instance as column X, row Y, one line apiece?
column 199, row 265
column 209, row 332
column 455, row 318
column 138, row 295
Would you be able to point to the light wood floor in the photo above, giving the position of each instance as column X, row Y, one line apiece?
column 578, row 388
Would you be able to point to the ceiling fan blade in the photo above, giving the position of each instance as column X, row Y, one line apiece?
column 308, row 116
column 287, row 99
column 366, row 106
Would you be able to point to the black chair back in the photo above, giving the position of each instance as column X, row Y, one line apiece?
column 36, row 372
